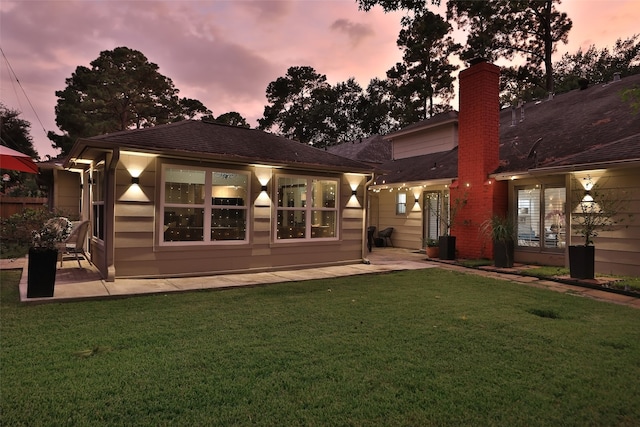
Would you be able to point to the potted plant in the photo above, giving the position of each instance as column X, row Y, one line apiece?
column 447, row 242
column 43, row 256
column 597, row 211
column 431, row 247
column 501, row 230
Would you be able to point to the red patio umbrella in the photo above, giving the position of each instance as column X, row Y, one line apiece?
column 16, row 161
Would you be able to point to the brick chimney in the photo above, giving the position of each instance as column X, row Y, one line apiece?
column 478, row 156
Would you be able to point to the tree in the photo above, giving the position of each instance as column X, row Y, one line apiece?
column 424, row 80
column 232, row 118
column 535, row 31
column 484, row 22
column 15, row 132
column 375, row 108
column 298, row 105
column 598, row 65
column 347, row 117
column 393, row 5
column 121, row 90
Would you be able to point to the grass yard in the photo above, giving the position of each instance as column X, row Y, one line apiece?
column 415, row 348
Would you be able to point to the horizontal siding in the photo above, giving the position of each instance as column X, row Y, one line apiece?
column 436, row 140
column 137, row 254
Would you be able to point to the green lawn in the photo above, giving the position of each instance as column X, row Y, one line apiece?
column 416, row 348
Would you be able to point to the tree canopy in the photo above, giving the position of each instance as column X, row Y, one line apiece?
column 121, row 90
column 15, row 132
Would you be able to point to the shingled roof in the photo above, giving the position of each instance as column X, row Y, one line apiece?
column 198, row 139
column 579, row 129
column 373, row 149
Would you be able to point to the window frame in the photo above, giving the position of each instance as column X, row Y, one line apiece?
column 207, row 206
column 97, row 200
column 401, row 206
column 542, row 237
column 307, row 209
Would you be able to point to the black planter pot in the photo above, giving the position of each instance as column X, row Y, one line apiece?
column 503, row 253
column 41, row 276
column 582, row 261
column 447, row 246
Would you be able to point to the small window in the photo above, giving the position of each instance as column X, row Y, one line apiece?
column 401, row 203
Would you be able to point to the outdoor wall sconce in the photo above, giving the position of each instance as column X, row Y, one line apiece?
column 135, row 180
column 263, row 173
column 416, row 205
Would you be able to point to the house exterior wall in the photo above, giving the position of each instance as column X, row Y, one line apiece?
column 433, row 140
column 408, row 227
column 138, row 252
column 618, row 249
column 67, row 193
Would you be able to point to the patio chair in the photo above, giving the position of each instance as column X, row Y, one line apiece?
column 385, row 235
column 370, row 232
column 75, row 242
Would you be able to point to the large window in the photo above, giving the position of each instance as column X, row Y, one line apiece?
column 307, row 208
column 204, row 205
column 541, row 216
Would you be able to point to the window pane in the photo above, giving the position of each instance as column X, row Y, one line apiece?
column 228, row 224
column 183, row 224
column 401, row 205
column 529, row 217
column 184, row 186
column 291, row 224
column 323, row 224
column 554, row 218
column 292, row 192
column 323, row 193
column 228, row 189
column 432, row 219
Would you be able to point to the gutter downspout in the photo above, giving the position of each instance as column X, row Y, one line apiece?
column 110, row 216
column 365, row 218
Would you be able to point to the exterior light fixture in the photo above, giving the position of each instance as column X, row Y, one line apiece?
column 135, row 180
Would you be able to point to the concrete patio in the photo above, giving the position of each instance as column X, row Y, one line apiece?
column 76, row 283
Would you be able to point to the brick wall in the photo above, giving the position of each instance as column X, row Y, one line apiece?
column 478, row 156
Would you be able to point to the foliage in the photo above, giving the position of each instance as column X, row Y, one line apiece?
column 232, row 118
column 449, row 218
column 423, row 82
column 121, row 90
column 484, row 22
column 598, row 210
column 15, row 132
column 430, row 243
column 17, row 230
column 598, row 65
column 499, row 229
column 396, row 349
column 298, row 103
column 52, row 232
column 632, row 96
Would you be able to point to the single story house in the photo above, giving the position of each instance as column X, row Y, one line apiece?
column 533, row 163
column 196, row 198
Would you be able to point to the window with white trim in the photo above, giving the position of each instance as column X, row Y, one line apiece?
column 204, row 205
column 401, row 203
column 97, row 200
column 307, row 208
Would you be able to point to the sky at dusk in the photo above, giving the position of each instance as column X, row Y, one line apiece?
column 224, row 53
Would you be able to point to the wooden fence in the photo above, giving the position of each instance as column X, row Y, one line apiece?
column 13, row 205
